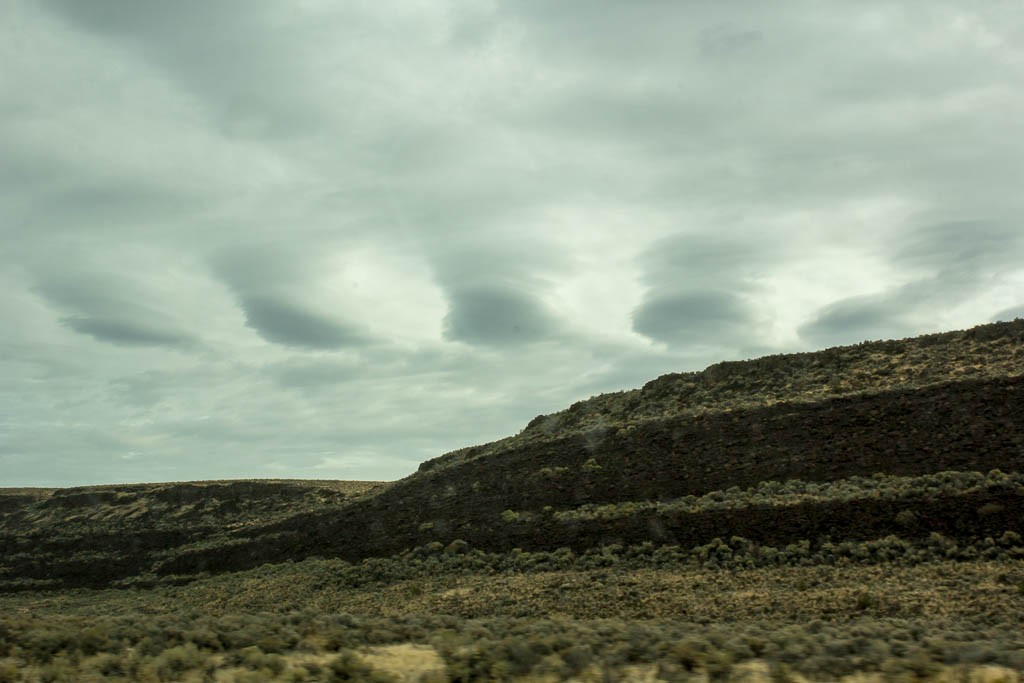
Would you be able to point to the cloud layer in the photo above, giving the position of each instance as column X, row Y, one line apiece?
column 313, row 240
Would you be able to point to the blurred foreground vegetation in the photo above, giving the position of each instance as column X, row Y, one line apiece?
column 887, row 611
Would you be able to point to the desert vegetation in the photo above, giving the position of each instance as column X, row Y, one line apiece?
column 852, row 514
column 310, row 645
column 986, row 351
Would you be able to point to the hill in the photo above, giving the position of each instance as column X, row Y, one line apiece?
column 849, row 512
column 627, row 468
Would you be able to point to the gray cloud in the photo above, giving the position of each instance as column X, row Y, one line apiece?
column 861, row 318
column 965, row 247
column 695, row 291
column 497, row 317
column 247, row 268
column 727, row 41
column 85, row 293
column 219, row 54
column 125, row 333
column 1009, row 314
column 114, row 310
column 288, row 324
column 954, row 261
column 695, row 318
column 124, row 17
column 305, row 375
column 145, row 389
column 275, row 287
column 481, row 211
column 705, row 260
column 508, row 262
column 610, row 34
column 138, row 206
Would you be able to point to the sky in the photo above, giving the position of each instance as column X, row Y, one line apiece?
column 330, row 240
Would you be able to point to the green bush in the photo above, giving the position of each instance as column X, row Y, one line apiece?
column 457, row 547
column 59, row 670
column 349, row 667
column 9, row 673
column 177, row 660
column 110, row 665
column 510, row 516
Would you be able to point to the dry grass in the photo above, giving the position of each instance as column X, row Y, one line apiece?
column 408, row 662
column 945, row 591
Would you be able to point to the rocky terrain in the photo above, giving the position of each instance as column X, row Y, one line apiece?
column 844, row 498
column 945, row 402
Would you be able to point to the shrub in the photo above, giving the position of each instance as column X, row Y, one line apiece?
column 552, row 472
column 718, row 665
column 43, row 645
column 59, row 670
column 177, row 660
column 689, row 654
column 1010, row 539
column 349, row 667
column 906, row 518
column 510, row 516
column 457, row 547
column 204, row 638
column 109, row 664
column 577, row 658
column 990, row 509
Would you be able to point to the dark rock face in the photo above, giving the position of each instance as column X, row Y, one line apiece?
column 976, row 425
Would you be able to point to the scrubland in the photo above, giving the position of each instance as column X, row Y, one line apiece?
column 854, row 514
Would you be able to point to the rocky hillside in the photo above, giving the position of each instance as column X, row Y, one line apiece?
column 93, row 535
column 984, row 352
column 842, row 444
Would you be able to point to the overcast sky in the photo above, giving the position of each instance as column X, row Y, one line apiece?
column 333, row 239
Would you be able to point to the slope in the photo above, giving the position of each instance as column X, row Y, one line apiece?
column 632, row 468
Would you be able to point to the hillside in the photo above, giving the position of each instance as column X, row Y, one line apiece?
column 850, row 514
column 93, row 535
column 906, row 409
column 984, row 352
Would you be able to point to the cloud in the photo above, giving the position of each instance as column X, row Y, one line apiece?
column 727, row 41
column 695, row 318
column 857, row 319
column 199, row 45
column 1009, row 314
column 316, row 373
column 280, row 289
column 497, row 317
column 136, row 205
column 115, row 309
column 125, row 333
column 288, row 324
column 123, row 16
column 265, row 267
column 709, row 260
column 447, row 217
column 945, row 266
column 697, row 286
column 971, row 248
